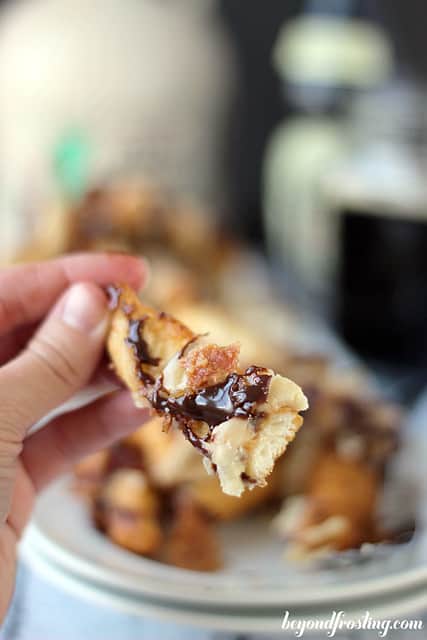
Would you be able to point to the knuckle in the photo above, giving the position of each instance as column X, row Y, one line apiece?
column 14, row 417
column 10, row 433
column 9, row 454
column 10, row 450
column 56, row 361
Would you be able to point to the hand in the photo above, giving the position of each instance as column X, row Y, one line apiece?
column 43, row 365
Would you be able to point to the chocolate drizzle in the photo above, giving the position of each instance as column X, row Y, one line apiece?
column 239, row 395
column 138, row 344
column 194, row 439
column 134, row 339
column 244, row 476
column 140, row 349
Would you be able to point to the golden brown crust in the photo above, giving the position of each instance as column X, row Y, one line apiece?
column 356, row 426
column 137, row 217
column 128, row 510
column 163, row 335
column 206, row 492
column 210, row 364
column 121, row 215
column 338, row 511
column 136, row 533
column 344, row 487
column 192, row 542
column 128, row 490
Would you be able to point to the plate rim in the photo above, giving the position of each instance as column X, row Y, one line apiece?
column 209, row 589
column 408, row 603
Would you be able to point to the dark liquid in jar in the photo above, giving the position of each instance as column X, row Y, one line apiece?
column 381, row 307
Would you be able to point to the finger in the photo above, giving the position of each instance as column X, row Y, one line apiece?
column 8, row 557
column 59, row 360
column 28, row 291
column 22, row 501
column 14, row 341
column 70, row 437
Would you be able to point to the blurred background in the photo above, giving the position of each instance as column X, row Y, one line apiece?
column 303, row 125
column 297, row 131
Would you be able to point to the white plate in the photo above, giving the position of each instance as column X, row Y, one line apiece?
column 255, row 575
column 255, row 620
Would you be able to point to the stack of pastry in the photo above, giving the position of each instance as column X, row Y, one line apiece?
column 325, row 490
column 150, row 509
column 150, row 493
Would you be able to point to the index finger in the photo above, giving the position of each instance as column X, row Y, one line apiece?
column 28, row 291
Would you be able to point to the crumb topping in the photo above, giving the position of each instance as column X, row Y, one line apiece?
column 210, row 364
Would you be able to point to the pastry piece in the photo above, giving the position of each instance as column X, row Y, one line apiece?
column 207, row 494
column 125, row 454
column 137, row 217
column 91, row 473
column 130, row 512
column 223, row 328
column 336, row 469
column 192, row 542
column 345, row 487
column 310, row 534
column 338, row 512
column 353, row 425
column 171, row 282
column 241, row 421
column 118, row 217
column 170, row 461
column 357, row 427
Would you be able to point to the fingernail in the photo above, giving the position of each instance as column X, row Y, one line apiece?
column 85, row 308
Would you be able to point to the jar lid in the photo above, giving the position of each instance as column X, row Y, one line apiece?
column 332, row 51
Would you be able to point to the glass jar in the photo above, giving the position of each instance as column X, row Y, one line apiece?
column 376, row 220
column 324, row 58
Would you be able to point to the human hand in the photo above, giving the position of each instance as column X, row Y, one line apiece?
column 42, row 366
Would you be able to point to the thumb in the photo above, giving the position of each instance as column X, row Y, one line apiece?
column 59, row 360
